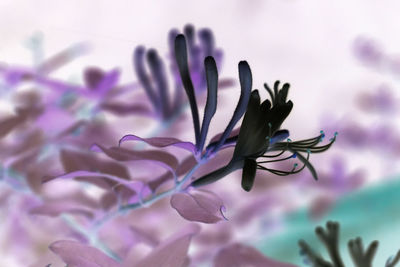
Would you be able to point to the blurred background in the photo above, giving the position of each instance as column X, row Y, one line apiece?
column 342, row 60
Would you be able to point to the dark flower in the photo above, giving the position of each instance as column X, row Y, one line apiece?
column 330, row 238
column 210, row 67
column 156, row 84
column 260, row 134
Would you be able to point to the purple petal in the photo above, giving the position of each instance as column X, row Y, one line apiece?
column 172, row 252
column 241, row 255
column 199, row 206
column 160, row 142
column 79, row 255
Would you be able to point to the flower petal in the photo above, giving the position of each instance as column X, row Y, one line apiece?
column 182, row 62
column 246, row 81
column 211, row 104
column 248, row 174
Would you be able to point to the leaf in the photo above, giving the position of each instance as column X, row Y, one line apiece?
column 75, row 202
column 123, row 109
column 134, row 185
column 55, row 209
column 76, row 254
column 242, row 255
column 160, row 142
column 73, row 160
column 108, row 81
column 161, row 158
column 171, row 253
column 92, row 77
column 199, row 206
column 185, row 166
column 8, row 124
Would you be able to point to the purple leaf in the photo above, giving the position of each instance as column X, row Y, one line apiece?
column 160, row 142
column 8, row 124
column 172, row 252
column 62, row 58
column 241, row 255
column 187, row 164
column 77, row 160
column 108, row 81
column 92, row 77
column 55, row 209
column 143, row 236
column 199, row 206
column 79, row 255
column 74, row 202
column 164, row 159
column 123, row 109
column 135, row 186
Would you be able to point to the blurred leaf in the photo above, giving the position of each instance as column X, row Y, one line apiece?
column 242, row 255
column 79, row 255
column 199, row 206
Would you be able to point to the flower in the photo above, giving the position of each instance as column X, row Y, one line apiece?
column 260, row 134
column 155, row 83
column 330, row 238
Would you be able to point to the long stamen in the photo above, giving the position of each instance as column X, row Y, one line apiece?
column 273, row 156
column 285, row 173
column 281, row 159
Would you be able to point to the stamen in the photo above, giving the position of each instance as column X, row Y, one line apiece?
column 273, row 156
column 285, row 173
column 277, row 160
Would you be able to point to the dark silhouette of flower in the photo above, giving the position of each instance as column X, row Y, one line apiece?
column 260, row 134
column 330, row 238
column 156, row 84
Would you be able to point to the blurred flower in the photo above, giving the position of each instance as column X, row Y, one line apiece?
column 330, row 238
